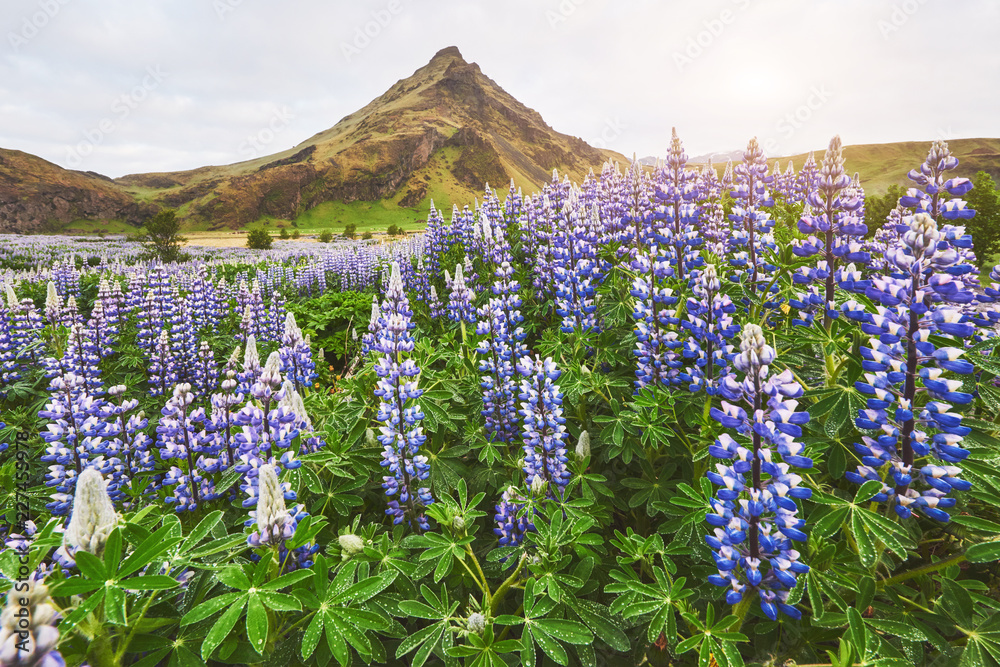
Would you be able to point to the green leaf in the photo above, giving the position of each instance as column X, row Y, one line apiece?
column 280, row 601
column 897, row 629
column 571, row 632
column 113, row 550
column 286, row 580
column 152, row 582
column 234, row 577
column 90, row 604
column 114, row 606
column 867, row 490
column 599, row 619
column 91, row 566
column 200, row 531
column 154, row 545
column 221, row 630
column 551, row 647
column 311, row 637
column 210, row 606
column 984, row 552
column 857, row 631
column 257, row 623
column 976, row 523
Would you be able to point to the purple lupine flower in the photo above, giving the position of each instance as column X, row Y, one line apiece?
column 544, row 433
column 179, row 438
column 834, row 218
column 296, row 357
column 274, row 523
column 400, row 434
column 710, row 325
column 755, row 519
column 460, row 300
column 920, row 443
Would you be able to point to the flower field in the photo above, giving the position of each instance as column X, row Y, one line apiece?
column 666, row 416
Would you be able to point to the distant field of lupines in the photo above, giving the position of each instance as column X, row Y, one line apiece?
column 661, row 417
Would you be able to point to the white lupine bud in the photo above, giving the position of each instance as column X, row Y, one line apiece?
column 458, row 523
column 292, row 330
column 537, row 485
column 94, row 515
column 234, row 358
column 370, row 440
column 351, row 545
column 11, row 297
column 271, row 374
column 53, row 304
column 373, row 322
column 583, row 445
column 476, row 623
column 251, row 360
column 271, row 513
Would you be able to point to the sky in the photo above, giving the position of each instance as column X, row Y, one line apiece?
column 120, row 86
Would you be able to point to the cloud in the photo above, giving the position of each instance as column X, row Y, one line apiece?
column 720, row 71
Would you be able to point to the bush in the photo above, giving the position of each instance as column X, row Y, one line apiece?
column 283, row 234
column 296, row 234
column 162, row 235
column 326, row 236
column 259, row 239
column 366, row 236
column 395, row 230
column 350, row 230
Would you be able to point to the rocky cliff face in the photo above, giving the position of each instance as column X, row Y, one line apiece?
column 36, row 195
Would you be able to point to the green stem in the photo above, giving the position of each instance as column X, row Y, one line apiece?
column 505, row 586
column 133, row 628
column 924, row 569
column 479, row 569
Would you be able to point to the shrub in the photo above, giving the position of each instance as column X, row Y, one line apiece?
column 350, row 230
column 259, row 239
column 326, row 236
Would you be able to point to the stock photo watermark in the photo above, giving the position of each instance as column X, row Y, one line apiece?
column 898, row 17
column 370, row 30
column 704, row 39
column 612, row 130
column 254, row 145
column 18, row 526
column 121, row 108
column 34, row 23
column 797, row 118
column 562, row 12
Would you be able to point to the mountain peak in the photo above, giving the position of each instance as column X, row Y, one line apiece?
column 448, row 52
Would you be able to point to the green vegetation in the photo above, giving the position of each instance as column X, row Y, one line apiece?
column 162, row 235
column 283, row 234
column 985, row 227
column 326, row 236
column 259, row 239
column 350, row 230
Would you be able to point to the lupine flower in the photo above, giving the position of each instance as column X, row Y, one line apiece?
column 400, row 434
column 179, row 438
column 93, row 517
column 511, row 528
column 460, row 301
column 28, row 632
column 544, row 433
column 920, row 443
column 655, row 321
column 274, row 524
column 296, row 357
column 251, row 365
column 753, row 224
column 500, row 348
column 837, row 221
column 755, row 519
column 710, row 324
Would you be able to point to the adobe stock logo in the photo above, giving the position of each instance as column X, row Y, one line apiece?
column 32, row 25
column 370, row 30
column 121, row 108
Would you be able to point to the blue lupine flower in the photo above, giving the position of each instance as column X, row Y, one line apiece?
column 900, row 360
column 544, row 433
column 710, row 325
column 656, row 345
column 400, row 434
column 296, row 357
column 837, row 221
column 460, row 300
column 754, row 511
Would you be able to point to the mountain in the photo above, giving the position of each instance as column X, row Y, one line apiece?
column 442, row 133
column 39, row 195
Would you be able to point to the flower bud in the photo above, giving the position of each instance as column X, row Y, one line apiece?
column 476, row 623
column 94, row 515
column 538, row 485
column 458, row 523
column 350, row 545
column 583, row 445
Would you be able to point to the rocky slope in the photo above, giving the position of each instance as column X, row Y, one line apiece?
column 36, row 195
